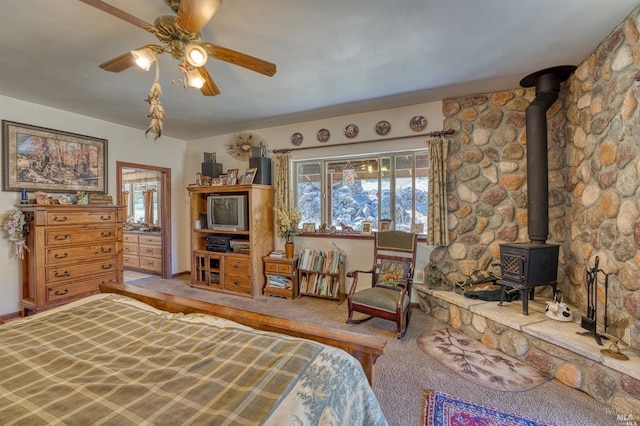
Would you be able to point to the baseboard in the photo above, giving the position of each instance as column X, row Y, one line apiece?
column 10, row 316
column 179, row 274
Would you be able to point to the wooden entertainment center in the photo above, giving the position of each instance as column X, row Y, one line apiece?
column 226, row 271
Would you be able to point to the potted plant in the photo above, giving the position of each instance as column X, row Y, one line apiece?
column 287, row 221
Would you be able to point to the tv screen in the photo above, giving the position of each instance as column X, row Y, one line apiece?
column 227, row 212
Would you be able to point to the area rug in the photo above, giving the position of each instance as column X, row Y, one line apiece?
column 444, row 410
column 478, row 363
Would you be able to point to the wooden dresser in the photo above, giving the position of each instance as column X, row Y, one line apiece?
column 72, row 250
column 143, row 251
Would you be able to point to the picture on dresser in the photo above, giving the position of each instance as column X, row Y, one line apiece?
column 49, row 160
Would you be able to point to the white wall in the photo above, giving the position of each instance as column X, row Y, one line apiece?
column 359, row 252
column 124, row 144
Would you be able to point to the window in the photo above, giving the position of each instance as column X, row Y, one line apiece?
column 366, row 188
column 135, row 185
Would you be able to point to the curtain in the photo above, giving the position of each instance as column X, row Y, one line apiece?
column 437, row 233
column 148, row 205
column 283, row 183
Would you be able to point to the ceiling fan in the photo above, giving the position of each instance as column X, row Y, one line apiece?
column 179, row 35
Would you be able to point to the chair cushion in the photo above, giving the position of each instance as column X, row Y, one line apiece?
column 379, row 298
column 393, row 272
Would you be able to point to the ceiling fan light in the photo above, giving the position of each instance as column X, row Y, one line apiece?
column 195, row 55
column 143, row 57
column 195, row 79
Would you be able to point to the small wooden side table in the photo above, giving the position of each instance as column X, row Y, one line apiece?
column 276, row 269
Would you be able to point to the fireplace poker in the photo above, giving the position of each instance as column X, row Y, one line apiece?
column 590, row 321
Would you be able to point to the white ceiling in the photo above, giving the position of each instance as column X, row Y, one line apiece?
column 334, row 57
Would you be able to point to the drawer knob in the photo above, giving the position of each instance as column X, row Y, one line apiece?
column 105, row 234
column 60, row 275
column 105, row 250
column 61, row 237
column 60, row 256
column 109, row 266
column 60, row 219
column 235, row 265
column 103, row 217
column 61, row 293
column 236, row 283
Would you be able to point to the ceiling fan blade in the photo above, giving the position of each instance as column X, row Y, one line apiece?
column 209, row 88
column 119, row 63
column 240, row 59
column 194, row 14
column 99, row 4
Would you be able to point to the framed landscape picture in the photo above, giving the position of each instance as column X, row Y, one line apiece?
column 49, row 160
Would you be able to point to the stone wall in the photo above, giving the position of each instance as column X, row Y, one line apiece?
column 594, row 185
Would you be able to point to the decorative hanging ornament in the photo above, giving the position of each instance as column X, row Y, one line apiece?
column 239, row 146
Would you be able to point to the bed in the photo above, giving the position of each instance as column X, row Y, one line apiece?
column 112, row 359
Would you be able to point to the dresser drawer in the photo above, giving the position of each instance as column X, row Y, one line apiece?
column 58, row 255
column 151, row 264
column 67, row 236
column 130, row 261
column 238, row 283
column 84, row 269
column 236, row 265
column 153, row 240
column 278, row 268
column 151, row 251
column 80, row 217
column 130, row 238
column 67, row 290
column 129, row 248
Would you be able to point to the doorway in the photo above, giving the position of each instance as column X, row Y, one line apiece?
column 163, row 208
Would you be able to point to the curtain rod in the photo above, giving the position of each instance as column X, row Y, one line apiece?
column 432, row 134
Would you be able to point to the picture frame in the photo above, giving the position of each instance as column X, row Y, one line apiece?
column 385, row 225
column 41, row 159
column 249, row 176
column 41, row 198
column 417, row 228
column 222, row 179
column 365, row 227
column 232, row 176
column 309, row 228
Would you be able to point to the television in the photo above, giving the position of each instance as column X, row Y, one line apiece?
column 228, row 212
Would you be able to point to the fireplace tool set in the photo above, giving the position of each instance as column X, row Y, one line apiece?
column 589, row 321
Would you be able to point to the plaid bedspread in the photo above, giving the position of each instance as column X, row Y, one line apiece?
column 116, row 361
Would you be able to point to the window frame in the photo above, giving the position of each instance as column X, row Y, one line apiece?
column 380, row 156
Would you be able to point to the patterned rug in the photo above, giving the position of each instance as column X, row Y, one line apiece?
column 445, row 410
column 478, row 363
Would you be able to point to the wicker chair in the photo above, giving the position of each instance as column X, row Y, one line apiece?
column 389, row 296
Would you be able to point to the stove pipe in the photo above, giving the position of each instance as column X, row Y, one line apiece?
column 547, row 84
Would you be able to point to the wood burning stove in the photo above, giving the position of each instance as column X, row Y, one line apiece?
column 525, row 266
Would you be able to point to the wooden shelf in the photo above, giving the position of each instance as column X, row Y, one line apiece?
column 285, row 268
column 228, row 272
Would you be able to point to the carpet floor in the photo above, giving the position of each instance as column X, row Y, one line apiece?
column 404, row 371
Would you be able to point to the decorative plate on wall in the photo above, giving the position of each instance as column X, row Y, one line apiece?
column 418, row 123
column 296, row 139
column 323, row 135
column 383, row 127
column 351, row 131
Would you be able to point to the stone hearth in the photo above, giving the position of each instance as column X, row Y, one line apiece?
column 551, row 346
